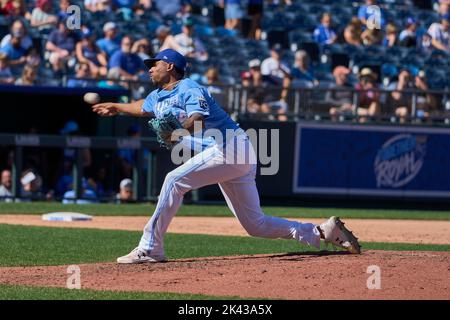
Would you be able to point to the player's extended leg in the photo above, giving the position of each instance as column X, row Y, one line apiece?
column 242, row 198
column 204, row 169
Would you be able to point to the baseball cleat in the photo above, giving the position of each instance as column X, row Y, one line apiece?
column 338, row 235
column 139, row 256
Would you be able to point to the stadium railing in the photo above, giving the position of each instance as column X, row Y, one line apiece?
column 309, row 103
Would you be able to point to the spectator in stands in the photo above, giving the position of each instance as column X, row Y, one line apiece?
column 13, row 8
column 88, row 52
column 112, row 82
column 324, row 34
column 63, row 6
column 369, row 100
column 352, row 33
column 233, row 14
column 390, row 40
column 41, row 17
column 18, row 29
column 185, row 11
column 83, row 71
column 425, row 43
column 188, row 44
column 408, row 36
column 6, row 76
column 142, row 48
column 302, row 73
column 168, row 8
column 98, row 5
column 17, row 56
column 128, row 4
column 369, row 13
column 255, row 11
column 212, row 81
column 273, row 70
column 28, row 77
column 125, row 194
column 87, row 195
column 6, row 186
column 31, row 184
column 443, row 7
column 372, row 37
column 275, row 73
column 109, row 43
column 34, row 57
column 163, row 39
column 61, row 46
column 402, row 102
column 252, row 82
column 128, row 7
column 340, row 97
column 126, row 63
column 439, row 33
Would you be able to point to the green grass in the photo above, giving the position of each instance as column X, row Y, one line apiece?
column 220, row 211
column 28, row 246
column 9, row 292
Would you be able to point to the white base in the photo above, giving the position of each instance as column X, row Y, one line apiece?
column 66, row 216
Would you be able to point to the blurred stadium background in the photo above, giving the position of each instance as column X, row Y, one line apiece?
column 359, row 91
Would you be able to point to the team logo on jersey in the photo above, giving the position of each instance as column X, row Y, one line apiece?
column 166, row 105
column 399, row 160
column 202, row 103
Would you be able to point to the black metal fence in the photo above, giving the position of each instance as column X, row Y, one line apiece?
column 313, row 103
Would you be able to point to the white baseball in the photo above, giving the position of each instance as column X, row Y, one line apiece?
column 91, row 98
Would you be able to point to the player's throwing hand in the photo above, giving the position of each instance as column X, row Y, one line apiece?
column 106, row 109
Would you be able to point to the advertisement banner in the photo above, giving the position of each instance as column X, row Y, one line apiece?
column 372, row 160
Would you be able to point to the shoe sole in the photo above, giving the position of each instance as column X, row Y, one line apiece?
column 141, row 261
column 355, row 246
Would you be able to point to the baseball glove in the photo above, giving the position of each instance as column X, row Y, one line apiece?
column 164, row 127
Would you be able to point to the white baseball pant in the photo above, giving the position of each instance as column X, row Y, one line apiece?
column 236, row 180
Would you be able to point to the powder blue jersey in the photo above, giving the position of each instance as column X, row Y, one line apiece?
column 185, row 99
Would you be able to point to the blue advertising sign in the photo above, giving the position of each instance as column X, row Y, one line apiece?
column 372, row 160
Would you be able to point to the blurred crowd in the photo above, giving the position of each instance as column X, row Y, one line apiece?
column 107, row 176
column 114, row 58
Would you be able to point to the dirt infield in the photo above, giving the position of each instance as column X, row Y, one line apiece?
column 369, row 230
column 324, row 275
column 404, row 275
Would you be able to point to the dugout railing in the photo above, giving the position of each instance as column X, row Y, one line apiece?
column 140, row 178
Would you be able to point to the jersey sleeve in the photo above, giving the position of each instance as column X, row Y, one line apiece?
column 148, row 104
column 196, row 102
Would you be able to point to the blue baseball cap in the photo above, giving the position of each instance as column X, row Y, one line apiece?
column 411, row 21
column 169, row 56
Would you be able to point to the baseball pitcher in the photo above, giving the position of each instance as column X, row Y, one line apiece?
column 180, row 103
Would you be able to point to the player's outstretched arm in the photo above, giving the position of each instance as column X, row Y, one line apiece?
column 109, row 109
